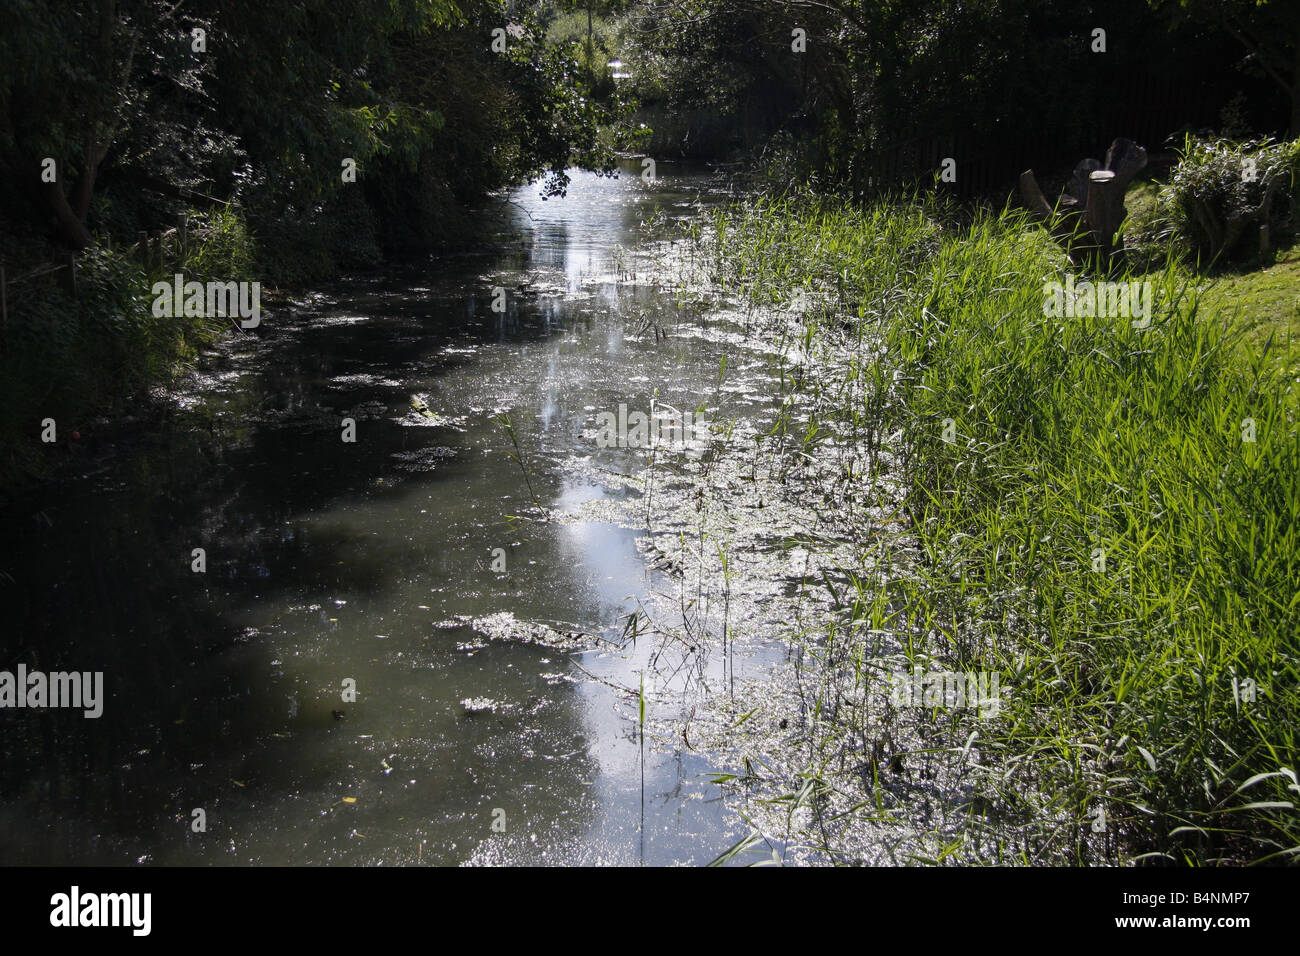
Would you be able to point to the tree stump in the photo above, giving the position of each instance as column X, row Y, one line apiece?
column 1087, row 217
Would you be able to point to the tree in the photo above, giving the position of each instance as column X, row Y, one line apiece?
column 264, row 100
column 1268, row 29
column 70, row 73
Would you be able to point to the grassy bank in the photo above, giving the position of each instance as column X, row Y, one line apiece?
column 1103, row 515
column 87, row 348
column 1262, row 293
column 1266, row 300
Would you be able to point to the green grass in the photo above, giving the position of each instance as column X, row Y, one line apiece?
column 75, row 356
column 1263, row 296
column 1266, row 300
column 1076, row 439
column 572, row 28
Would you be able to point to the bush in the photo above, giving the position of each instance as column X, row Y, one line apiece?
column 84, row 354
column 1220, row 188
column 225, row 249
column 785, row 164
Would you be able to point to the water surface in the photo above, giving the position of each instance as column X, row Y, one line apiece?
column 366, row 561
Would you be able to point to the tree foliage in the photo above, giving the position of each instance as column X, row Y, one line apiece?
column 851, row 78
column 1268, row 30
column 262, row 101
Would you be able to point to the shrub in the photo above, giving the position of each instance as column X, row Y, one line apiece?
column 1220, row 188
column 225, row 250
column 76, row 355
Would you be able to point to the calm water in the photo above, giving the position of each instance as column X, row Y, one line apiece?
column 330, row 562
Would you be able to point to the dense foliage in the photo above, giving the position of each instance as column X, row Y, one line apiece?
column 1221, row 190
column 1009, row 83
column 273, row 139
column 261, row 103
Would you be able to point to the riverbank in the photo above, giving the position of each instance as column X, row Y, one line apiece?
column 1098, row 513
column 84, row 348
column 87, row 350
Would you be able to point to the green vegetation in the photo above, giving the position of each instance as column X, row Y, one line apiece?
column 1265, row 302
column 1113, row 527
column 1222, row 193
column 1208, row 216
column 79, row 349
column 871, row 91
column 299, row 138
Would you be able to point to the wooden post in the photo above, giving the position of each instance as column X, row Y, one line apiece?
column 1062, row 222
column 1099, row 213
column 1033, row 197
column 4, row 300
column 1089, row 213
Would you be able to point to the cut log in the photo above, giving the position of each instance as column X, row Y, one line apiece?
column 1087, row 218
column 1079, row 182
column 1125, row 159
column 1105, row 210
column 1033, row 197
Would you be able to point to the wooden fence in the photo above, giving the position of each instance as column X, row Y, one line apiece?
column 988, row 162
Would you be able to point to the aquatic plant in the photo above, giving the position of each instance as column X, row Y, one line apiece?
column 1103, row 511
column 503, row 420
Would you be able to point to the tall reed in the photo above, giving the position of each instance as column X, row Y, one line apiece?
column 1112, row 525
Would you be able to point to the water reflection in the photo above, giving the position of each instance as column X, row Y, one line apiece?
column 331, row 562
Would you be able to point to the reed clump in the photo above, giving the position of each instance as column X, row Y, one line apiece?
column 1103, row 510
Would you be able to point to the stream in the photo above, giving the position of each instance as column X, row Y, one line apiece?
column 419, row 646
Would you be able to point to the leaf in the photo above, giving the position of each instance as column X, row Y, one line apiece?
column 736, row 849
column 1151, row 761
column 1263, row 805
column 744, row 717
